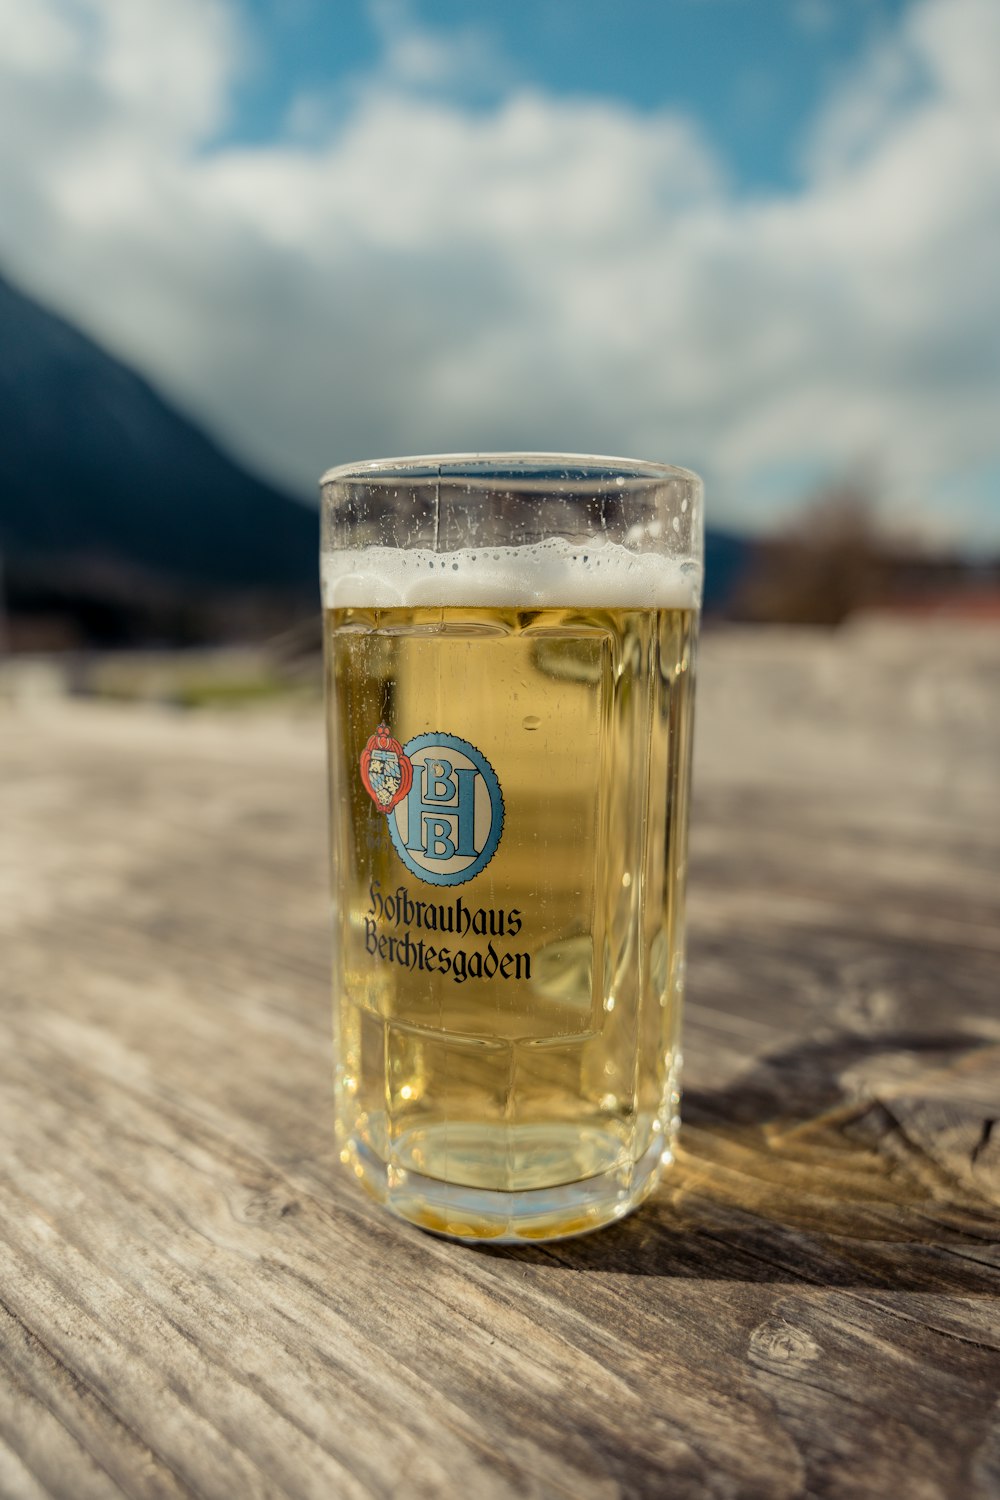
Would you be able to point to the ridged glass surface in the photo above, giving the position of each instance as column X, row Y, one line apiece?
column 530, row 1092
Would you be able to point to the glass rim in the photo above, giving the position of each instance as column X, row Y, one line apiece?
column 503, row 466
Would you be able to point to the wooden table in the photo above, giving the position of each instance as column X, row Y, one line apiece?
column 197, row 1301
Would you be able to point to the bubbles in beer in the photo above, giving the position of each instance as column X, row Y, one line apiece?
column 547, row 574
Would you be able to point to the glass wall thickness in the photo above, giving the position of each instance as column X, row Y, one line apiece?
column 510, row 653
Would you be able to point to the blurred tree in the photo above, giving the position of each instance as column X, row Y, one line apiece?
column 832, row 560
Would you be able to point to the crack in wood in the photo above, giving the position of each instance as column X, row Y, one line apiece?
column 984, row 1140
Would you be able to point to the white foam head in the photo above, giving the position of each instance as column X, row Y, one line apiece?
column 553, row 573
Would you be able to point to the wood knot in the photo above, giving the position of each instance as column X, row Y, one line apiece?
column 777, row 1345
column 264, row 1206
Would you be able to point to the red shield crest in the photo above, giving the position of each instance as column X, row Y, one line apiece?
column 386, row 772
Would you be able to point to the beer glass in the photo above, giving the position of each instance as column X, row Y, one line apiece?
column 509, row 645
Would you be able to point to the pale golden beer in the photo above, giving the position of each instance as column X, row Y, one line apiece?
column 508, row 785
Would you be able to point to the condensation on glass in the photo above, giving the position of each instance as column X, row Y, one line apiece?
column 509, row 654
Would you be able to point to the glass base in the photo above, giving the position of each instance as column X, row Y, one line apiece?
column 474, row 1214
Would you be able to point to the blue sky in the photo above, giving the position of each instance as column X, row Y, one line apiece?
column 755, row 237
column 750, row 71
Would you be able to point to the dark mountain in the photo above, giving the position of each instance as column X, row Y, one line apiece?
column 727, row 559
column 106, row 491
column 122, row 522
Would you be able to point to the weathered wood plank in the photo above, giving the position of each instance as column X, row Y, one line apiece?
column 194, row 1300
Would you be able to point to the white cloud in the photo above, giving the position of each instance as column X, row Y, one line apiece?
column 426, row 273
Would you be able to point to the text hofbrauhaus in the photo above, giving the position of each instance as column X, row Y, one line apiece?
column 402, row 912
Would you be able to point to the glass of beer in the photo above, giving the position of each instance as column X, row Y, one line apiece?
column 510, row 646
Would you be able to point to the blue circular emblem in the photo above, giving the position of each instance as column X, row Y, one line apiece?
column 448, row 826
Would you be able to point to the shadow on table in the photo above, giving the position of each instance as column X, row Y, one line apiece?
column 786, row 1175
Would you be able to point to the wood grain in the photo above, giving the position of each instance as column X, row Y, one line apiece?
column 196, row 1301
